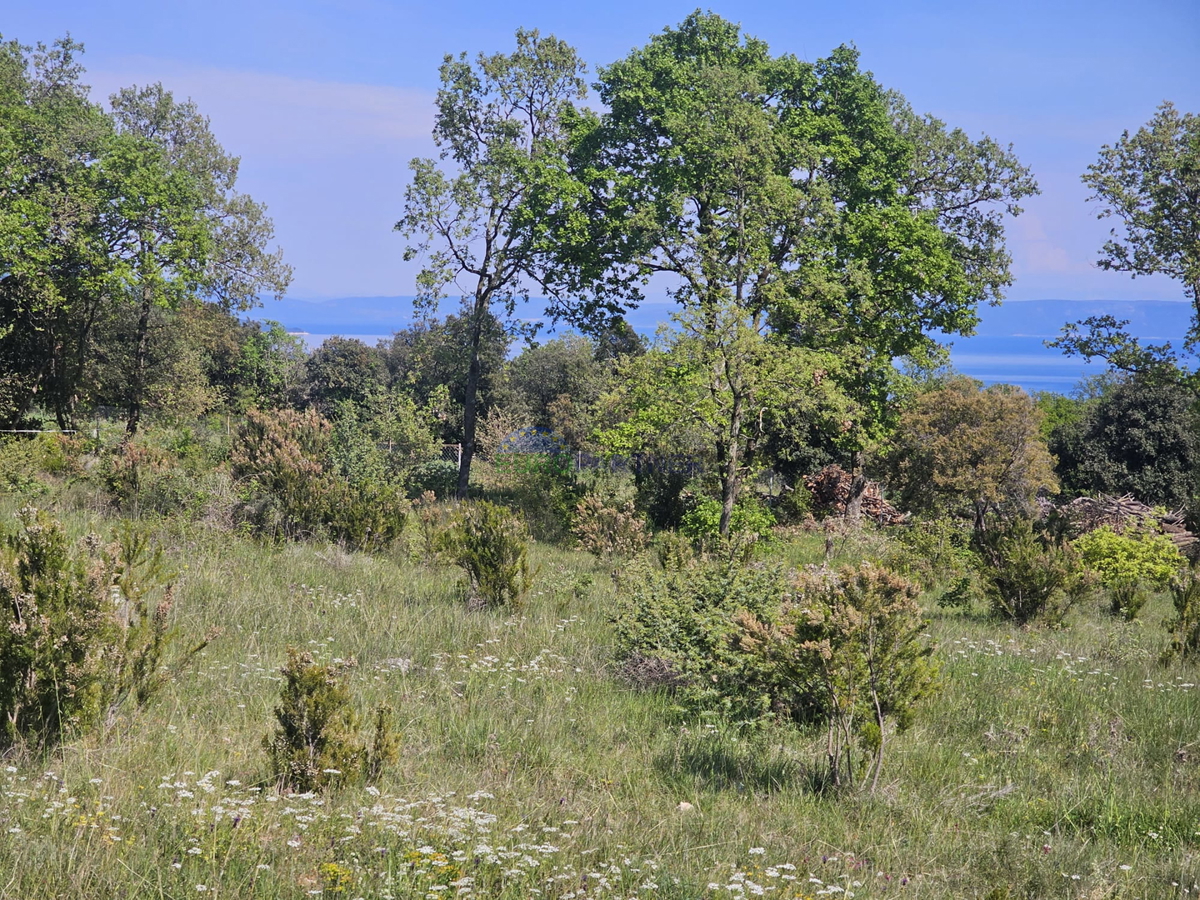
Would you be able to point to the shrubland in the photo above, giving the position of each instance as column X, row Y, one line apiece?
column 643, row 723
column 251, row 646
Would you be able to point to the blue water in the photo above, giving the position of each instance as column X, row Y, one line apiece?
column 1007, row 348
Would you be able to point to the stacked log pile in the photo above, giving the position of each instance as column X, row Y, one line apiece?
column 1120, row 513
column 830, row 489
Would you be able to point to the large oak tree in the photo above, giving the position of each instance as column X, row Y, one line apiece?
column 802, row 203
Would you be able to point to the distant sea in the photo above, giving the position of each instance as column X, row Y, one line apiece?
column 1008, row 347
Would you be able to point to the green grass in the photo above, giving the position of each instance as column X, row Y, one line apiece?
column 1049, row 762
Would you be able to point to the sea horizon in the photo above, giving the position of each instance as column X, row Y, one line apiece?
column 1008, row 346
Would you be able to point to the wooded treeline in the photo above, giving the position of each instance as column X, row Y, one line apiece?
column 819, row 237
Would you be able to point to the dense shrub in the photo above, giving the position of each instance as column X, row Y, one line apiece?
column 80, row 630
column 932, row 552
column 1129, row 563
column 25, row 462
column 660, row 492
column 491, row 545
column 380, row 440
column 281, row 459
column 1185, row 630
column 679, row 622
column 750, row 519
column 436, row 475
column 795, row 504
column 1029, row 576
column 605, row 530
column 856, row 639
column 317, row 743
column 1141, row 436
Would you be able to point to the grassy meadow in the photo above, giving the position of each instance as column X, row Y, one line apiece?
column 1057, row 763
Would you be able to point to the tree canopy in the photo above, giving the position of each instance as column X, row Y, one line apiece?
column 501, row 124
column 1150, row 182
column 802, row 201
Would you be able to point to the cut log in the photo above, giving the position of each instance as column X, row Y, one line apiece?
column 831, row 488
column 1121, row 513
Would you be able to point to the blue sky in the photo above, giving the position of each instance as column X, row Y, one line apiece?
column 327, row 101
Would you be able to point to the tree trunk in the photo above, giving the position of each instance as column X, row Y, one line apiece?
column 137, row 383
column 470, row 399
column 729, row 477
column 858, row 487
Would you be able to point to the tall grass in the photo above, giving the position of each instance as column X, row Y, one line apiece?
column 1060, row 763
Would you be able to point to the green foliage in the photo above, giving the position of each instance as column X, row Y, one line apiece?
column 26, row 461
column 680, row 622
column 80, row 630
column 438, row 475
column 858, row 638
column 268, row 366
column 1126, row 563
column 1141, row 436
column 53, row 247
column 795, row 504
column 555, row 384
column 426, row 359
column 502, row 125
column 381, row 439
column 317, row 742
column 1151, row 182
column 491, row 545
column 342, row 370
column 966, row 449
column 1027, row 576
column 702, row 523
column 1185, row 630
column 818, row 226
column 932, row 552
column 607, row 531
column 283, row 460
column 142, row 477
column 1139, row 556
column 962, row 594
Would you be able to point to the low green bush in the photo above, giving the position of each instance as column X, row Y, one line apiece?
column 1129, row 564
column 436, row 475
column 81, row 630
column 1185, row 629
column 856, row 639
column 317, row 743
column 679, row 622
column 1028, row 576
column 491, row 545
column 932, row 552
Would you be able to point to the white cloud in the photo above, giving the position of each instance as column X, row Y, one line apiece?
column 285, row 118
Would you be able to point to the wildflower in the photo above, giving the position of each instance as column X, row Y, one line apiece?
column 757, row 851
